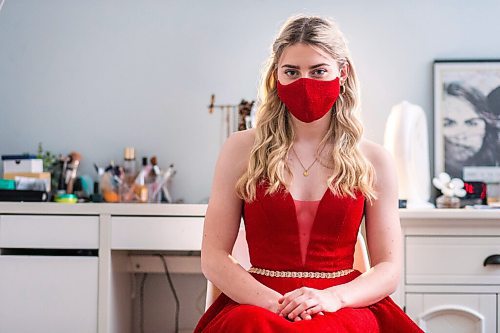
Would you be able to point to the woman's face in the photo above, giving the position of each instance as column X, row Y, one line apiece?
column 462, row 127
column 304, row 61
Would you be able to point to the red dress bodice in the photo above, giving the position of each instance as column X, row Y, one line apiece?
column 273, row 231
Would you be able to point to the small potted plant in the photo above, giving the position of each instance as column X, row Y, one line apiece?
column 452, row 190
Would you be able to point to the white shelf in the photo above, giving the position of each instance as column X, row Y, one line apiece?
column 133, row 209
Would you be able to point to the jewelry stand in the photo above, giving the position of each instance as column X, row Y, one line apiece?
column 234, row 117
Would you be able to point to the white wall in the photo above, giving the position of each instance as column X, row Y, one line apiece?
column 96, row 76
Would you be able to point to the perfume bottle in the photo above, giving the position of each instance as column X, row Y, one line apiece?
column 444, row 201
column 141, row 189
column 129, row 165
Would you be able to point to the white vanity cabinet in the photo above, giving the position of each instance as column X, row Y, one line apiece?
column 48, row 273
column 451, row 279
column 71, row 268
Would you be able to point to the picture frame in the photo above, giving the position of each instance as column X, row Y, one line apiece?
column 467, row 120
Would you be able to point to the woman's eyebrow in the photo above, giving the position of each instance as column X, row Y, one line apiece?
column 319, row 65
column 298, row 67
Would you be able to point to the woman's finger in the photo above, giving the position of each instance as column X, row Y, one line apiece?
column 290, row 295
column 302, row 307
column 317, row 309
column 284, row 301
column 292, row 304
column 305, row 316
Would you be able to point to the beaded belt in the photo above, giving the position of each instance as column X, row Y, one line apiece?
column 289, row 274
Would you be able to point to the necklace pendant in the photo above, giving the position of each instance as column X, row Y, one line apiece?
column 306, row 173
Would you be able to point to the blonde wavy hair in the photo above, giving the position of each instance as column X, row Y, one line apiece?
column 350, row 170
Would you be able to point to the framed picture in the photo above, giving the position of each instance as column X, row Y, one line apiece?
column 467, row 119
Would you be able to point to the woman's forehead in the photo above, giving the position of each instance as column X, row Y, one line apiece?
column 301, row 54
column 459, row 108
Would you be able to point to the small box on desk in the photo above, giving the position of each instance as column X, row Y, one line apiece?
column 22, row 163
column 7, row 184
column 24, row 195
column 45, row 176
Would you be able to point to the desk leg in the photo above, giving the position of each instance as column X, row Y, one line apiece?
column 103, row 319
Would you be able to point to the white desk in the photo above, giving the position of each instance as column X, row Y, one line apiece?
column 93, row 291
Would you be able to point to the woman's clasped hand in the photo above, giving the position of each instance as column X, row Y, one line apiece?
column 305, row 303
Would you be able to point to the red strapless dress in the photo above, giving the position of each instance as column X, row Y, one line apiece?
column 281, row 236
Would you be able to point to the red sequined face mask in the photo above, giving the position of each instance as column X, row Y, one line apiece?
column 309, row 99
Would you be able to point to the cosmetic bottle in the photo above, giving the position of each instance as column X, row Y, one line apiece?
column 129, row 165
column 146, row 169
column 153, row 178
column 141, row 190
column 155, row 172
column 96, row 196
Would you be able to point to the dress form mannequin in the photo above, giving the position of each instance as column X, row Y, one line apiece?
column 406, row 138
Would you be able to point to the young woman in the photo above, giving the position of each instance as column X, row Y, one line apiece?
column 303, row 179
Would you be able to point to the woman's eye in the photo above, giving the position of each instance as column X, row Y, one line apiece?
column 473, row 122
column 319, row 72
column 447, row 122
column 290, row 72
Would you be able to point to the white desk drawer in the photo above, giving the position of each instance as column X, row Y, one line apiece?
column 457, row 313
column 451, row 260
column 49, row 231
column 48, row 294
column 156, row 233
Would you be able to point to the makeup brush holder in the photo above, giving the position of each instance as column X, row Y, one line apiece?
column 127, row 193
column 154, row 193
column 109, row 188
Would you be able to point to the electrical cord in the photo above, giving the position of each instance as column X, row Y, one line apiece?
column 201, row 300
column 141, row 304
column 177, row 303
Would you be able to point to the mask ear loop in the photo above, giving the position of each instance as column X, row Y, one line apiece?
column 340, row 100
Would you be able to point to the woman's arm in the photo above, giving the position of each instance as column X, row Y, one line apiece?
column 222, row 222
column 383, row 233
column 384, row 244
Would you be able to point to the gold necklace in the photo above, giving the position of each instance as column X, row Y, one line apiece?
column 306, row 170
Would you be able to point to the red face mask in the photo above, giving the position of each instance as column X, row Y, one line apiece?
column 309, row 99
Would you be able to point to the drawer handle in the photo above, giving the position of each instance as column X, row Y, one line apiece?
column 494, row 259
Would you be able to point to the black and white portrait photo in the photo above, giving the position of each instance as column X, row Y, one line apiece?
column 467, row 119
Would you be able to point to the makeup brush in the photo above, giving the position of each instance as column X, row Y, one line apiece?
column 63, row 162
column 71, row 170
column 169, row 173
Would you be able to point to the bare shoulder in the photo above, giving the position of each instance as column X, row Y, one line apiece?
column 244, row 139
column 239, row 144
column 382, row 161
column 375, row 153
column 235, row 153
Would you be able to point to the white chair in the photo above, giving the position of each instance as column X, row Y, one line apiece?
column 240, row 253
